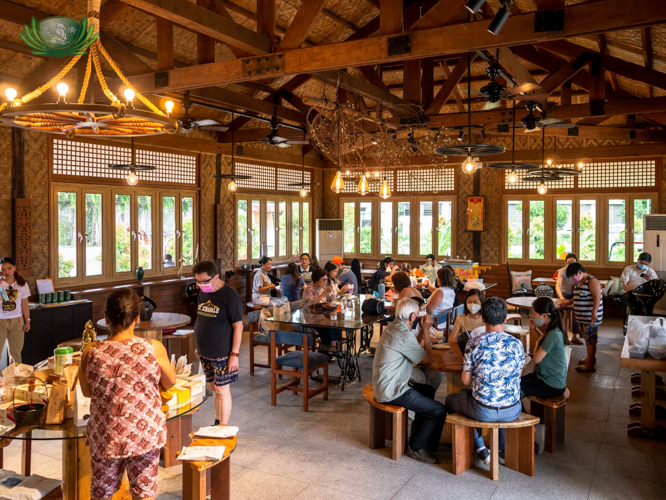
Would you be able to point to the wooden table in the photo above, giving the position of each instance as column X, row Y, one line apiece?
column 552, row 281
column 450, row 362
column 209, row 478
column 647, row 407
column 153, row 329
column 526, row 303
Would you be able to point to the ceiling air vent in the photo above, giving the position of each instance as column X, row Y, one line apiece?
column 655, row 222
column 330, row 224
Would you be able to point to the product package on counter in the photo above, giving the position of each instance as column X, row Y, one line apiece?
column 7, row 411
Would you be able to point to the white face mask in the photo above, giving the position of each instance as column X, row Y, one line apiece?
column 473, row 307
column 421, row 313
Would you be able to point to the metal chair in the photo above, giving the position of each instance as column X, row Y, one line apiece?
column 649, row 293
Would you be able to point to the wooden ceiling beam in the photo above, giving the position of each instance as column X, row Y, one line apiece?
column 463, row 81
column 557, row 78
column 373, row 77
column 582, row 19
column 510, row 63
column 439, row 14
column 207, row 23
column 451, row 83
column 457, row 95
column 303, row 22
column 593, row 132
column 340, row 20
column 266, row 18
column 165, row 58
column 646, row 38
column 603, row 49
column 219, row 9
column 130, row 63
column 109, row 11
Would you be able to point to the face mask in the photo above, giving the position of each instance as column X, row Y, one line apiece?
column 538, row 321
column 577, row 279
column 206, row 288
column 642, row 267
column 422, row 313
column 473, row 307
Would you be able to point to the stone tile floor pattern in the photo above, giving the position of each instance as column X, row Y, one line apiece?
column 284, row 453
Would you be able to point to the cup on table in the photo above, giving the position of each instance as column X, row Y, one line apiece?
column 350, row 288
column 47, row 298
column 68, row 295
column 42, row 298
column 54, row 298
column 61, row 296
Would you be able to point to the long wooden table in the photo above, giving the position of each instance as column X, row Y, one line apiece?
column 647, row 408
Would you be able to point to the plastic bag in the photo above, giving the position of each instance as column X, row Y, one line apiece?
column 638, row 335
column 657, row 344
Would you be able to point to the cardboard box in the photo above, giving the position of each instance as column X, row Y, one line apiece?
column 182, row 394
column 38, row 395
column 200, row 377
column 44, row 375
column 195, row 388
column 55, row 412
column 7, row 412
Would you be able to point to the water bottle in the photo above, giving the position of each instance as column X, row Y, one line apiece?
column 382, row 289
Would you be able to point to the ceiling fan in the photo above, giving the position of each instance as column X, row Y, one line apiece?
column 303, row 185
column 275, row 139
column 188, row 123
column 534, row 123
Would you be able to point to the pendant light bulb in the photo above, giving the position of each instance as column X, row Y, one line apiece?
column 303, row 193
column 169, row 107
column 62, row 89
column 232, row 186
column 513, row 178
column 363, row 187
column 129, row 96
column 385, row 190
column 580, row 166
column 338, row 185
column 132, row 178
column 542, row 189
column 11, row 94
column 469, row 166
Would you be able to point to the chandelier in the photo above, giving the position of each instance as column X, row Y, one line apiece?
column 79, row 118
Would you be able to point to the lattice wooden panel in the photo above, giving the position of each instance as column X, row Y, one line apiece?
column 286, row 176
column 171, row 167
column 263, row 176
column 618, row 174
column 566, row 183
column 425, row 179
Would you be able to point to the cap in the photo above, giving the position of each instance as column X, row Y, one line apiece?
column 337, row 259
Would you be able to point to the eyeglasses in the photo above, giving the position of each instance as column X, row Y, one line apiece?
column 205, row 281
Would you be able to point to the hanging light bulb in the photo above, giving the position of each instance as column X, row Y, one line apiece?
column 132, row 178
column 129, row 95
column 469, row 166
column 580, row 166
column 338, row 185
column 62, row 89
column 232, row 186
column 542, row 189
column 363, row 187
column 169, row 107
column 385, row 190
column 303, row 192
column 11, row 95
column 512, row 178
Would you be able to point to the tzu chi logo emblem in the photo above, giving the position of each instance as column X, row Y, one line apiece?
column 59, row 36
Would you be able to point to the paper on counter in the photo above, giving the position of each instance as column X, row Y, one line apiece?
column 441, row 347
column 32, row 488
column 202, row 453
column 217, row 431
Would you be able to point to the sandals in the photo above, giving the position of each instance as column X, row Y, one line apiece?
column 584, row 362
column 584, row 369
column 577, row 341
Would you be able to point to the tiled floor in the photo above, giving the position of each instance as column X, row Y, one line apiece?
column 284, row 453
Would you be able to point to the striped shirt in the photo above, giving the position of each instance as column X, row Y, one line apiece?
column 584, row 303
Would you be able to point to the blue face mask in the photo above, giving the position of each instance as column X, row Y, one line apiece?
column 538, row 321
column 642, row 267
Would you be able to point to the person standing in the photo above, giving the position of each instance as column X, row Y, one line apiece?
column 127, row 427
column 564, row 289
column 588, row 311
column 218, row 332
column 634, row 276
column 15, row 311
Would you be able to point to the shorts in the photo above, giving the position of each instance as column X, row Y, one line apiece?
column 216, row 371
column 588, row 331
column 142, row 470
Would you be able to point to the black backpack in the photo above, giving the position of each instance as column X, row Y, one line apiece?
column 373, row 306
column 374, row 281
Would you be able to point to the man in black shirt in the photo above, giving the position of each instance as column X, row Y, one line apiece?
column 218, row 331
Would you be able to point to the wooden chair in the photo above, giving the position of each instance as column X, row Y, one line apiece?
column 517, row 318
column 519, row 443
column 209, row 478
column 302, row 362
column 386, row 422
column 257, row 339
column 551, row 413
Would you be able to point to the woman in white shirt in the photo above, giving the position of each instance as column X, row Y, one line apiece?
column 471, row 318
column 442, row 298
column 262, row 285
column 15, row 312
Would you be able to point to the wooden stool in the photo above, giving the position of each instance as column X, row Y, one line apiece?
column 251, row 306
column 519, row 443
column 516, row 318
column 551, row 413
column 386, row 422
column 209, row 478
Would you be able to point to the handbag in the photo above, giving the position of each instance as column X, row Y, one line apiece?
column 373, row 306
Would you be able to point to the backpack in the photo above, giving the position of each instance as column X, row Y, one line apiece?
column 373, row 306
column 374, row 280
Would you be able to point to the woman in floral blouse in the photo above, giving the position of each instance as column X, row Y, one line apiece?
column 318, row 292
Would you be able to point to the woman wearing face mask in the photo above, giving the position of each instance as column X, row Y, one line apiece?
column 430, row 268
column 588, row 312
column 471, row 318
column 262, row 285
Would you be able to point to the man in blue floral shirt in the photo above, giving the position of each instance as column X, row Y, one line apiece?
column 492, row 365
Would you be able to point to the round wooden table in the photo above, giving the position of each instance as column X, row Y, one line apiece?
column 153, row 329
column 527, row 302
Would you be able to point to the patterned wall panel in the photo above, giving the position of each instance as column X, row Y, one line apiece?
column 37, row 189
column 464, row 244
column 491, row 183
column 317, row 194
column 331, row 205
column 23, row 235
column 6, row 226
column 225, row 222
column 662, row 188
column 207, row 207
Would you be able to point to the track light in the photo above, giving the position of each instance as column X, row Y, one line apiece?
column 483, row 133
column 500, row 18
column 461, row 134
column 474, row 5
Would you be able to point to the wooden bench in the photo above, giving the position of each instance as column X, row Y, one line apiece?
column 519, row 443
column 516, row 318
column 386, row 422
column 209, row 478
column 551, row 413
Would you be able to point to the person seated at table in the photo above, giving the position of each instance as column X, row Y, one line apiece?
column 345, row 275
column 318, row 292
column 304, row 266
column 385, row 271
column 471, row 318
column 123, row 375
column 262, row 285
column 632, row 277
column 292, row 283
column 443, row 298
column 491, row 364
column 398, row 350
column 564, row 289
column 424, row 322
column 430, row 268
column 588, row 312
column 460, row 286
column 331, row 269
column 402, row 287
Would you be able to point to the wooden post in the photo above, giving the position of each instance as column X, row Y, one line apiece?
column 266, row 18
column 164, row 44
column 205, row 44
column 22, row 240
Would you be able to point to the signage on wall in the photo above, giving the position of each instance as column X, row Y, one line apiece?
column 59, row 36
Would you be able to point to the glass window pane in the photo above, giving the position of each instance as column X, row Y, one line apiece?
column 404, row 225
column 270, row 228
column 349, row 227
column 306, row 226
column 123, row 236
column 537, row 229
column 187, row 236
column 425, row 227
column 641, row 208
column 444, row 228
column 67, row 235
column 616, row 230
column 386, row 228
column 282, row 225
column 169, row 231
column 256, row 229
column 564, row 225
column 587, row 230
column 515, row 229
column 295, row 228
column 145, row 232
column 365, row 242
column 241, row 238
column 93, row 236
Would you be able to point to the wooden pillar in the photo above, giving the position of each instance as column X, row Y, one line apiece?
column 427, row 81
column 205, row 44
column 476, row 235
column 411, row 85
column 164, row 44
column 266, row 18
column 22, row 237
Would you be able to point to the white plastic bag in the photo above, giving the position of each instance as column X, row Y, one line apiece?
column 281, row 310
column 657, row 344
column 638, row 335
